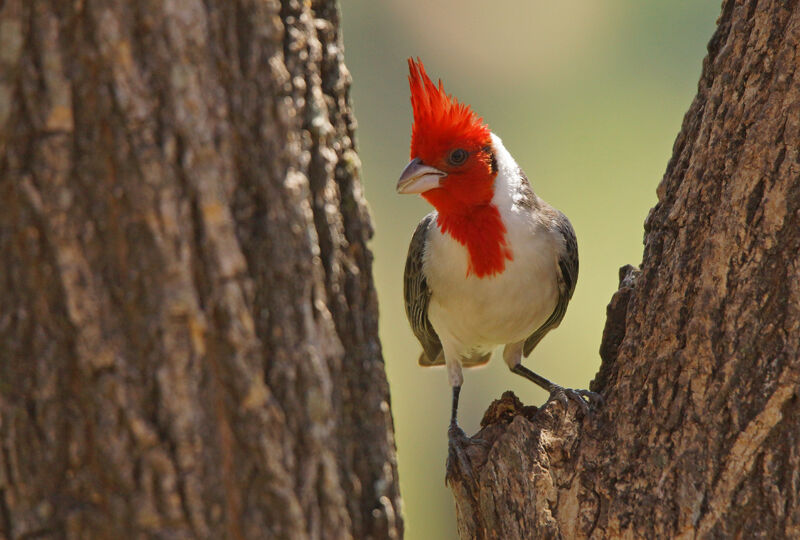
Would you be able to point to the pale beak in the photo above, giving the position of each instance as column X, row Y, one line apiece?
column 419, row 178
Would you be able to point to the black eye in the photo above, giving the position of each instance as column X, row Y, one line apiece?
column 458, row 156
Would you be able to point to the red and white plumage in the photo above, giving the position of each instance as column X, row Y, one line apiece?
column 494, row 264
column 473, row 313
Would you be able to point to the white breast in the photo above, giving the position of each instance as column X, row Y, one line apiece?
column 472, row 314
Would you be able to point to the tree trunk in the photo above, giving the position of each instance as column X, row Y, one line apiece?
column 188, row 324
column 700, row 432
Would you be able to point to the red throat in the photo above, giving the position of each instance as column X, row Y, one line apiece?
column 483, row 233
column 467, row 214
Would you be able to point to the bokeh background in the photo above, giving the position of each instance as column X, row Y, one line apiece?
column 588, row 96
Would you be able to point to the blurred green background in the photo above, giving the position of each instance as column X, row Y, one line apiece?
column 588, row 96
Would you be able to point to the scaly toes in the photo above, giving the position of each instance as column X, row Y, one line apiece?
column 457, row 459
column 595, row 400
column 585, row 399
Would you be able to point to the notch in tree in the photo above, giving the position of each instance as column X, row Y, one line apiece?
column 700, row 431
column 188, row 324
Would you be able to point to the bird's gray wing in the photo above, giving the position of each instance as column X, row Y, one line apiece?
column 417, row 297
column 567, row 277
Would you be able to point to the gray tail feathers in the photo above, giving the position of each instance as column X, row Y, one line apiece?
column 470, row 361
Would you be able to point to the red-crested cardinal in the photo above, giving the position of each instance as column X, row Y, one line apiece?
column 493, row 264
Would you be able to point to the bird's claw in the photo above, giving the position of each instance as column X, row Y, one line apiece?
column 457, row 459
column 595, row 399
column 586, row 399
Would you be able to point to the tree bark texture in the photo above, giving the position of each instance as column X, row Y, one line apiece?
column 699, row 436
column 188, row 324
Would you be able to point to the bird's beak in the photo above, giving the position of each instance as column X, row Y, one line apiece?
column 418, row 177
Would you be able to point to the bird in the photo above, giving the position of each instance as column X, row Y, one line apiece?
column 493, row 264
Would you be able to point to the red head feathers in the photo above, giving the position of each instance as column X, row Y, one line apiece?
column 452, row 146
column 440, row 121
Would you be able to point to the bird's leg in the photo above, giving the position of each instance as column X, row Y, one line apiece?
column 454, row 409
column 457, row 441
column 584, row 398
column 457, row 460
column 512, row 354
column 456, row 448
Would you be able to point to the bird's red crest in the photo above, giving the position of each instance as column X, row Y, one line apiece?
column 463, row 199
column 439, row 118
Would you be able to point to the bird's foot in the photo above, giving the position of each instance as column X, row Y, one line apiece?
column 587, row 400
column 458, row 463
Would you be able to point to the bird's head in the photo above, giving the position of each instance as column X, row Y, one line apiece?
column 452, row 163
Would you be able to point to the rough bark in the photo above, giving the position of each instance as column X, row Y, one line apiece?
column 700, row 432
column 188, row 324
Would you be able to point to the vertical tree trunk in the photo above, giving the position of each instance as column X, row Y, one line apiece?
column 700, row 432
column 188, row 325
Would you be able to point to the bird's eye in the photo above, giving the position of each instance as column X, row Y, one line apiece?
column 458, row 156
